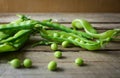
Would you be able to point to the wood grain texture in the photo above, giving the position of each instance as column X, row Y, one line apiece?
column 112, row 18
column 60, row 6
column 104, row 63
column 67, row 70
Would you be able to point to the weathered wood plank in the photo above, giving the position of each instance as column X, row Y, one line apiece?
column 97, row 64
column 100, row 26
column 68, row 57
column 65, row 17
column 67, row 70
column 104, row 63
column 113, row 46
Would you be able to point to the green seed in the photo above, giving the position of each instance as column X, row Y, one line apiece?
column 77, row 39
column 27, row 63
column 65, row 43
column 52, row 66
column 79, row 61
column 55, row 34
column 62, row 36
column 58, row 54
column 71, row 38
column 54, row 46
column 15, row 63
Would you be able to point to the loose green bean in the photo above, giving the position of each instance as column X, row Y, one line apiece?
column 54, row 46
column 58, row 54
column 15, row 63
column 27, row 63
column 52, row 66
column 79, row 61
column 65, row 43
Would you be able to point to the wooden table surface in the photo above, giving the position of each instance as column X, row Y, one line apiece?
column 104, row 63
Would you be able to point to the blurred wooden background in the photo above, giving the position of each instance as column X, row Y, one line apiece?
column 59, row 6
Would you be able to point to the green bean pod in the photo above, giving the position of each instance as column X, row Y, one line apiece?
column 64, row 28
column 92, row 32
column 29, row 24
column 14, row 43
column 21, row 41
column 16, row 36
column 71, row 38
column 3, row 35
column 80, row 23
column 5, row 47
column 7, row 33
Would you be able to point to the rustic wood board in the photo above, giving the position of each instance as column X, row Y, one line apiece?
column 65, row 17
column 104, row 63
